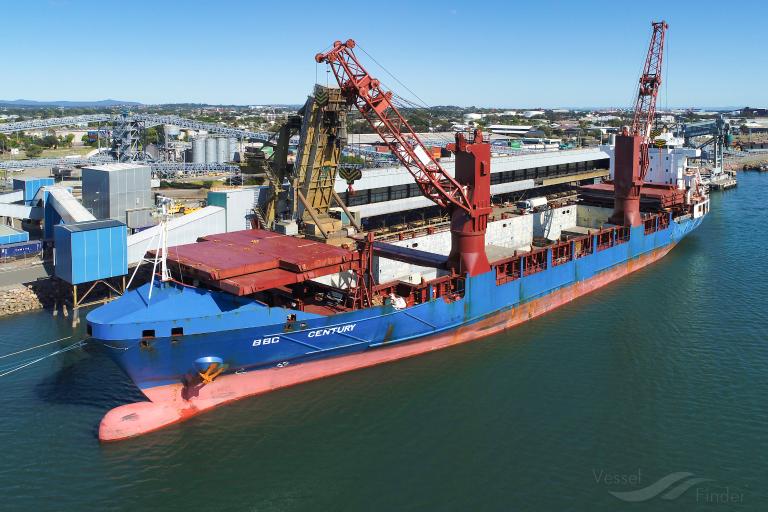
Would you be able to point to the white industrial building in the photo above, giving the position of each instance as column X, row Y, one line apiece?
column 668, row 164
column 386, row 190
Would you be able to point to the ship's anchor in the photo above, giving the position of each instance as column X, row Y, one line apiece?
column 208, row 368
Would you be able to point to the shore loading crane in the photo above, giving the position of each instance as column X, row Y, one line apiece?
column 302, row 192
column 467, row 196
column 715, row 133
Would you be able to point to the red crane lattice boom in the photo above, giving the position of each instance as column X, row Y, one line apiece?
column 375, row 105
column 467, row 196
column 648, row 91
column 631, row 158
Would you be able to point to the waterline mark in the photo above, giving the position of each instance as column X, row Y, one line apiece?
column 636, row 488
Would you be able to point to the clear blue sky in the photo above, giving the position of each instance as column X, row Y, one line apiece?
column 483, row 53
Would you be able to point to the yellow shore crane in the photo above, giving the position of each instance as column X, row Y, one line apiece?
column 310, row 181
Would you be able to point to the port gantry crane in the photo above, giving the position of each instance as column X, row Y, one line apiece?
column 467, row 196
column 631, row 154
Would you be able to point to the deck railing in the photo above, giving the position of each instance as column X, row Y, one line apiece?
column 535, row 261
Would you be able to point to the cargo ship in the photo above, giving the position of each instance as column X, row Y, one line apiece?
column 247, row 312
column 173, row 344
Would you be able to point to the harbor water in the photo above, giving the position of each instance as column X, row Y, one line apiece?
column 652, row 390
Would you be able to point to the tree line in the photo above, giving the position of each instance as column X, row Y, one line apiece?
column 34, row 145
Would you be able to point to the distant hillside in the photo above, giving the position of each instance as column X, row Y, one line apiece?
column 65, row 104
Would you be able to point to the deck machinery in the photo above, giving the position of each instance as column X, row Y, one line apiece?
column 631, row 155
column 628, row 191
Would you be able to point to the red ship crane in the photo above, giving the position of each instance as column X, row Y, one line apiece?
column 631, row 158
column 467, row 196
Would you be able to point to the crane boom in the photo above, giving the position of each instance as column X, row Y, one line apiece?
column 648, row 91
column 631, row 159
column 466, row 195
column 375, row 105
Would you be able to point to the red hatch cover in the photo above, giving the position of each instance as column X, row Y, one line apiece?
column 252, row 283
column 243, row 262
column 666, row 195
column 211, row 260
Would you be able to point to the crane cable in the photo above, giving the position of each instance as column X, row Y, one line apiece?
column 406, row 103
column 424, row 103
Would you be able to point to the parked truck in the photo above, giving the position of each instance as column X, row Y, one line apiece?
column 529, row 205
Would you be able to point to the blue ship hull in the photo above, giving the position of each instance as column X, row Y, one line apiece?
column 156, row 342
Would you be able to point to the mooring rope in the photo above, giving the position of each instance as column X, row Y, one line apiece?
column 114, row 347
column 36, row 346
column 33, row 361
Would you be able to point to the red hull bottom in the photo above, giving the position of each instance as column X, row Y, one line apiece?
column 168, row 406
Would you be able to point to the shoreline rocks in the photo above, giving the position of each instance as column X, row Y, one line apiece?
column 18, row 298
column 52, row 294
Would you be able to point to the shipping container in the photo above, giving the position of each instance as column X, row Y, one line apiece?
column 20, row 250
column 91, row 250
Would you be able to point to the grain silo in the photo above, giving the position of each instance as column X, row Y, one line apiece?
column 198, row 150
column 222, row 149
column 210, row 150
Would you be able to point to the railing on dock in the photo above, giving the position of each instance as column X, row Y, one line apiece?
column 655, row 222
column 612, row 236
column 604, row 239
column 622, row 234
column 564, row 251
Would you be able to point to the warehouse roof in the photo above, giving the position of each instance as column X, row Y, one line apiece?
column 117, row 166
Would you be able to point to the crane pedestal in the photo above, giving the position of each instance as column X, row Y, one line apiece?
column 473, row 171
column 627, row 181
